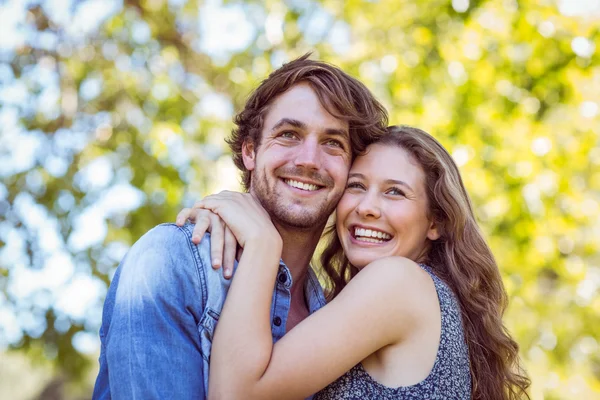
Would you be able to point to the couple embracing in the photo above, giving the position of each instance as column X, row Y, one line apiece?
column 413, row 299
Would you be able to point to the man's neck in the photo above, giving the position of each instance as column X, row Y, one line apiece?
column 298, row 248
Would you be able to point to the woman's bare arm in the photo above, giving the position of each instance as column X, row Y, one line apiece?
column 377, row 308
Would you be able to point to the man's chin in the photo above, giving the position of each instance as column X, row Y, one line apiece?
column 301, row 219
column 293, row 211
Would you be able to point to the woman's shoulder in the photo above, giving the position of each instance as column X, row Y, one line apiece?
column 397, row 272
column 400, row 284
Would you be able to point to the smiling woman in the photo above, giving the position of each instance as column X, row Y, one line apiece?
column 405, row 197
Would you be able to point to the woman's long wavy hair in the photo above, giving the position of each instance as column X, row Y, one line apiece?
column 462, row 259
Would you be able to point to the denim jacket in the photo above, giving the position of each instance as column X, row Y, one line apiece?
column 160, row 314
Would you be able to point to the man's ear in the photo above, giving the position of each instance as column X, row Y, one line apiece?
column 249, row 155
column 433, row 233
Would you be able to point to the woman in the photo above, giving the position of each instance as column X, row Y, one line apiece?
column 422, row 319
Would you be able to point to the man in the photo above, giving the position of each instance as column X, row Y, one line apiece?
column 294, row 142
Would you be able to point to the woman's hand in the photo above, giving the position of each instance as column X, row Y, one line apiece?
column 244, row 216
column 223, row 245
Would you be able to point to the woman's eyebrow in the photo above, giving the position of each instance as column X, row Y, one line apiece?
column 355, row 175
column 387, row 181
column 398, row 182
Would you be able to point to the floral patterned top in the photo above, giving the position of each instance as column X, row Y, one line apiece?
column 450, row 377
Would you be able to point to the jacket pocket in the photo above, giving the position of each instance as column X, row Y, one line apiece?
column 206, row 328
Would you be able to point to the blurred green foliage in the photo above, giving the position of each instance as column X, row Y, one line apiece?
column 511, row 88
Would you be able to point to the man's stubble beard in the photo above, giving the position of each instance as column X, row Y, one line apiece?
column 309, row 218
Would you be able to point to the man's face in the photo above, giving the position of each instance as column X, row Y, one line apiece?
column 300, row 169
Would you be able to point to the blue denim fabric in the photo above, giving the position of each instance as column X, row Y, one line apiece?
column 160, row 314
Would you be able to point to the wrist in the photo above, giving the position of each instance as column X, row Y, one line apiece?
column 269, row 243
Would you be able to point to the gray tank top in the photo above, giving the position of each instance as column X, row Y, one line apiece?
column 450, row 377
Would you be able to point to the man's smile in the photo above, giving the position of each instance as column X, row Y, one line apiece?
column 310, row 187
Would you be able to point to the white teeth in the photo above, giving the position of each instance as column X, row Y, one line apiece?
column 368, row 233
column 369, row 240
column 301, row 185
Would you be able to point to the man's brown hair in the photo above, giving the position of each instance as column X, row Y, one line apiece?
column 341, row 95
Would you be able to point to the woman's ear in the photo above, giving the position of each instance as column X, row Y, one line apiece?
column 433, row 233
column 248, row 155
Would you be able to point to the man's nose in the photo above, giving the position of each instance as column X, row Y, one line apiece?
column 309, row 154
column 369, row 206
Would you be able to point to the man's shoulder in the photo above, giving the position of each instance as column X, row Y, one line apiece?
column 167, row 233
column 167, row 251
column 169, row 236
column 168, row 244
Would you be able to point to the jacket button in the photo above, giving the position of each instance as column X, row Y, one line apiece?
column 277, row 321
column 282, row 278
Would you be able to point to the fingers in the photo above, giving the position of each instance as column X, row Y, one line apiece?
column 183, row 215
column 217, row 240
column 220, row 234
column 189, row 214
column 202, row 219
column 227, row 205
column 229, row 251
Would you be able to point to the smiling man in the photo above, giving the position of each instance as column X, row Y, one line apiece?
column 294, row 142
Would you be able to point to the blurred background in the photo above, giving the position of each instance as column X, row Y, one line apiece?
column 113, row 115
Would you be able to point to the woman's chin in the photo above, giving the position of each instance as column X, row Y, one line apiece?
column 361, row 262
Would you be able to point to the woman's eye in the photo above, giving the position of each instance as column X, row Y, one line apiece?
column 355, row 185
column 396, row 192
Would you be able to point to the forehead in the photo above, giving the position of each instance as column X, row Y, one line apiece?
column 301, row 103
column 389, row 162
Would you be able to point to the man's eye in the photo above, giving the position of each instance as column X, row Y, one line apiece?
column 288, row 135
column 335, row 143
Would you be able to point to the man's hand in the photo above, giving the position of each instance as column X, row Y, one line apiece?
column 223, row 245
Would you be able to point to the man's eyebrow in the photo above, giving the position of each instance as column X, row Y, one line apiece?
column 289, row 121
column 387, row 181
column 301, row 125
column 338, row 132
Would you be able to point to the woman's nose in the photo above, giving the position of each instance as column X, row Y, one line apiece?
column 369, row 207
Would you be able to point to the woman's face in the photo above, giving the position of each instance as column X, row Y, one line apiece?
column 383, row 211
